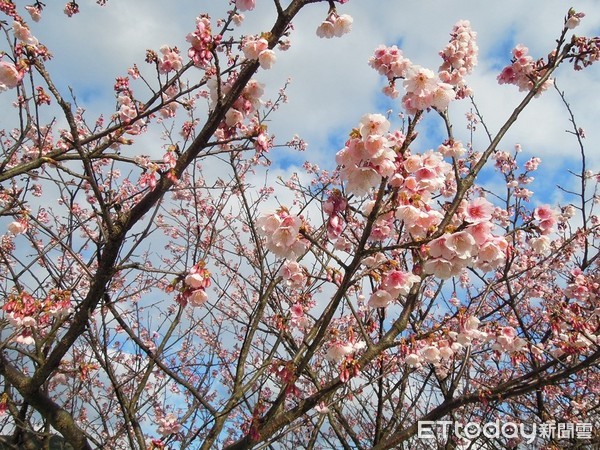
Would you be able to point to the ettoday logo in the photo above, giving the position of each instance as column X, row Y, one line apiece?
column 528, row 432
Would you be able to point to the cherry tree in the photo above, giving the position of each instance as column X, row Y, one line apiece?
column 156, row 292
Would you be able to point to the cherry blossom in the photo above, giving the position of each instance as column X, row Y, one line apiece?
column 335, row 25
column 23, row 34
column 170, row 61
column 17, row 227
column 10, row 77
column 245, row 5
column 169, row 425
column 35, row 12
column 293, row 274
column 282, row 233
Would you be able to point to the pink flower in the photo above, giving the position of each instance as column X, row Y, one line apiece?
column 10, row 77
column 398, row 282
column 245, row 5
column 360, row 180
column 420, row 82
column 282, row 233
column 16, row 227
column 413, row 360
column 293, row 274
column 342, row 25
column 169, row 425
column 335, row 226
column 23, row 34
column 540, row 245
column 441, row 268
column 194, row 280
column 546, row 217
column 253, row 47
column 171, row 60
column 460, row 55
column 492, row 254
column 373, row 124
column 198, row 278
column 544, row 212
column 532, row 164
column 321, row 408
column 471, row 324
column 266, row 59
column 439, row 249
column 431, row 354
column 462, row 244
column 574, row 19
column 380, row 299
column 233, row 117
column 442, row 96
column 198, row 297
column 479, row 210
column 446, row 352
column 25, row 338
column 481, row 231
column 326, row 30
column 34, row 12
column 71, row 9
column 287, row 232
column 452, row 150
column 339, row 350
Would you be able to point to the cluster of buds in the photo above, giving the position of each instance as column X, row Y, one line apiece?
column 30, row 314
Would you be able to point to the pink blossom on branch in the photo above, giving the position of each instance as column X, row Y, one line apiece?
column 245, row 5
column 335, row 25
column 10, row 76
column 282, row 233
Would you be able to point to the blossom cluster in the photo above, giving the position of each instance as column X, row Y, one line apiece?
column 443, row 350
column 394, row 284
column 17, row 227
column 196, row 282
column 169, row 424
column 338, row 350
column 475, row 246
column 334, row 207
column 424, row 88
column 282, row 233
column 30, row 314
column 258, row 48
column 460, row 57
column 170, row 60
column 11, row 74
column 202, row 42
column 244, row 106
column 335, row 25
column 368, row 155
column 128, row 113
column 524, row 72
column 293, row 274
